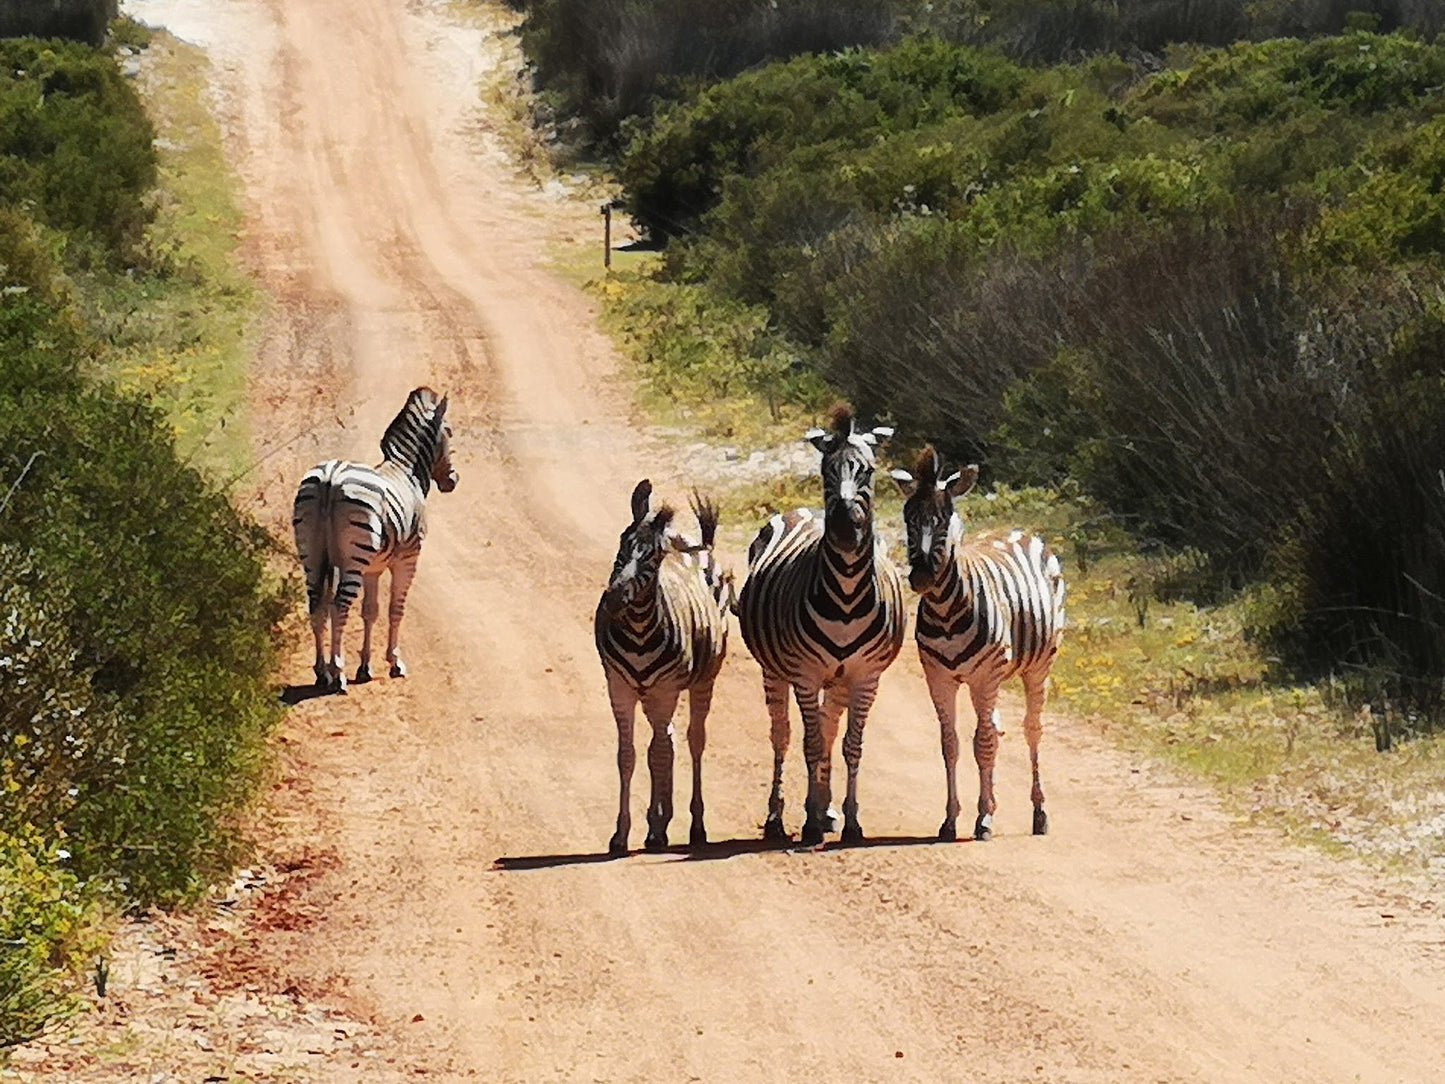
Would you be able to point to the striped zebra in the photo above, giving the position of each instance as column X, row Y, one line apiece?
column 354, row 522
column 991, row 607
column 822, row 611
column 661, row 628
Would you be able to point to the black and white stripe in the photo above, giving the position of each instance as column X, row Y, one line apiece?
column 354, row 522
column 991, row 607
column 822, row 612
column 661, row 629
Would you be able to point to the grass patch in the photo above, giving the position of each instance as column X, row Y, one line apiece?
column 709, row 364
column 181, row 330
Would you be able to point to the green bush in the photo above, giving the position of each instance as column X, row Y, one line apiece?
column 75, row 143
column 48, row 927
column 605, row 60
column 156, row 598
column 675, row 170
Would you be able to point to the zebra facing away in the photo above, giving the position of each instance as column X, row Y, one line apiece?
column 822, row 612
column 991, row 607
column 661, row 629
column 354, row 522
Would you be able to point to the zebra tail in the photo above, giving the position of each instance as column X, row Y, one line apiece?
column 706, row 511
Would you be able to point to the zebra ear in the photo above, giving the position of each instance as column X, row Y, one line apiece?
column 682, row 545
column 881, row 433
column 818, row 438
column 441, row 411
column 906, row 485
column 641, row 498
column 960, row 482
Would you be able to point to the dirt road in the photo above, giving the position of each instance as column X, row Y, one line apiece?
column 1148, row 938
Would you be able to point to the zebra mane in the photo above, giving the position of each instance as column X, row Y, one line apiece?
column 841, row 419
column 411, row 438
column 662, row 518
column 927, row 469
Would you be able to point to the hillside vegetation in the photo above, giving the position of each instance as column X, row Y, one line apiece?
column 1191, row 281
column 136, row 606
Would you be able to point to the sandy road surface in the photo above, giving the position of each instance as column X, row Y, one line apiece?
column 1148, row 938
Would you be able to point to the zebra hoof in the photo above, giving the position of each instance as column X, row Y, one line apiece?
column 983, row 828
column 617, row 846
column 948, row 832
column 852, row 834
column 697, row 838
column 363, row 674
column 1041, row 823
column 655, row 844
column 773, row 829
column 398, row 670
column 812, row 834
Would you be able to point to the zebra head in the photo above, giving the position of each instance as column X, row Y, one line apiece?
column 419, row 439
column 640, row 551
column 442, row 472
column 848, row 466
column 928, row 515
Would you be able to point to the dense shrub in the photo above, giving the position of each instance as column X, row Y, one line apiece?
column 604, row 60
column 675, row 171
column 133, row 732
column 75, row 143
column 47, row 928
column 79, row 20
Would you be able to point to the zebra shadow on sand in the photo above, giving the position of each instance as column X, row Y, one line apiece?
column 710, row 852
column 292, row 695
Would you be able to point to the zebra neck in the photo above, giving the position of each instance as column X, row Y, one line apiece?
column 405, row 472
column 411, row 454
column 844, row 575
column 644, row 613
column 948, row 594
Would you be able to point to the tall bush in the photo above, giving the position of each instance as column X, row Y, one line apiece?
column 75, row 144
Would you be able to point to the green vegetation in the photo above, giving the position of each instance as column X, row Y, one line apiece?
column 137, row 608
column 1177, row 265
column 603, row 65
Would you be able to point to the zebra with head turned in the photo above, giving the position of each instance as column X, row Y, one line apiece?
column 991, row 607
column 661, row 629
column 354, row 522
column 822, row 612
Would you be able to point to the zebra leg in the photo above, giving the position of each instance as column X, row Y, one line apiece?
column 319, row 610
column 624, row 710
column 318, row 603
column 347, row 588
column 1035, row 692
column 370, row 607
column 985, row 749
column 699, row 700
column 943, row 688
column 659, row 707
column 775, row 692
column 859, row 702
column 834, row 702
column 816, row 804
column 402, row 573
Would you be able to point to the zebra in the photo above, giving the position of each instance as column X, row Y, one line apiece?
column 822, row 610
column 354, row 522
column 661, row 628
column 990, row 608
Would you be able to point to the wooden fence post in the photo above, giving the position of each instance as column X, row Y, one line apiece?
column 606, row 210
